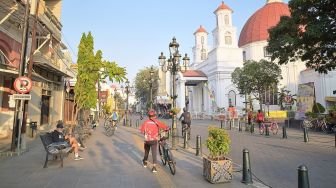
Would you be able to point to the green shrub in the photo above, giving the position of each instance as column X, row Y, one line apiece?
column 218, row 142
column 318, row 108
column 311, row 114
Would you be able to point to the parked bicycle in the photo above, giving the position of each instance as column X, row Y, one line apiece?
column 166, row 154
column 273, row 127
column 315, row 124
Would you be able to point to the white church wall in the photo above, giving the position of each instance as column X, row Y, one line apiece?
column 324, row 84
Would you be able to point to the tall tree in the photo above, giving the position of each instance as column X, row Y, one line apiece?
column 256, row 77
column 91, row 69
column 142, row 85
column 309, row 34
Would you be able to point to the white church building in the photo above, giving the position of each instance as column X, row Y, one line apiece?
column 207, row 84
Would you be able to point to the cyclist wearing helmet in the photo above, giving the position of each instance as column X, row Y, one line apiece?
column 150, row 128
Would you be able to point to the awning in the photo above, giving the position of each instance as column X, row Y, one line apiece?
column 163, row 100
column 330, row 99
column 194, row 77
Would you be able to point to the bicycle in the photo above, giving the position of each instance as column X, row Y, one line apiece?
column 273, row 127
column 315, row 124
column 166, row 155
column 186, row 128
column 110, row 127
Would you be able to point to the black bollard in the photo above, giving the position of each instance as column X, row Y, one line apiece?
column 303, row 180
column 198, row 145
column 239, row 127
column 284, row 131
column 221, row 124
column 185, row 143
column 230, row 124
column 305, row 135
column 124, row 122
column 247, row 173
column 267, row 130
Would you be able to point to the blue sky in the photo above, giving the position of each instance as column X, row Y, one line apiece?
column 133, row 33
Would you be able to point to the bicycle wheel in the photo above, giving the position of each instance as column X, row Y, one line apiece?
column 274, row 128
column 323, row 126
column 261, row 129
column 163, row 159
column 171, row 162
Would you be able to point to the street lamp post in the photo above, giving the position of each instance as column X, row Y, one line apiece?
column 115, row 99
column 151, row 87
column 127, row 92
column 173, row 65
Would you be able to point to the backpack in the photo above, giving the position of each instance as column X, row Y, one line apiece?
column 114, row 116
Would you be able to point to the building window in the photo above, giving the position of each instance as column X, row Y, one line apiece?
column 232, row 98
column 244, row 55
column 270, row 96
column 226, row 19
column 2, row 58
column 203, row 54
column 266, row 53
column 228, row 40
column 202, row 40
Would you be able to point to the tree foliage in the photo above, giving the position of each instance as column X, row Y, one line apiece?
column 142, row 84
column 255, row 77
column 91, row 69
column 309, row 34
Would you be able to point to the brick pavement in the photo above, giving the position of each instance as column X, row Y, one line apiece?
column 275, row 160
column 108, row 162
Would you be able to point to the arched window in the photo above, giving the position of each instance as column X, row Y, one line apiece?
column 203, row 54
column 232, row 98
column 202, row 39
column 228, row 38
column 226, row 20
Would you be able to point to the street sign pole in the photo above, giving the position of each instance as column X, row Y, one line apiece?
column 19, row 104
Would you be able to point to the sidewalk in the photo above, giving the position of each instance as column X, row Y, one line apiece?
column 108, row 162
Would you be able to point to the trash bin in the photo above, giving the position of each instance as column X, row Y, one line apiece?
column 33, row 127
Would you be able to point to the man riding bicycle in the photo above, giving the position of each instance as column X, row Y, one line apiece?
column 114, row 118
column 186, row 122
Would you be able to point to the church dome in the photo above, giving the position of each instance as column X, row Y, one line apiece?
column 256, row 27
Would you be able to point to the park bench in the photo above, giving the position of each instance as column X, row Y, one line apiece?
column 56, row 151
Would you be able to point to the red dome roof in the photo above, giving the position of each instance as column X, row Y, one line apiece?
column 200, row 30
column 256, row 28
column 223, row 6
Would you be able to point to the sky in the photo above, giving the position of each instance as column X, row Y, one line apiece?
column 134, row 32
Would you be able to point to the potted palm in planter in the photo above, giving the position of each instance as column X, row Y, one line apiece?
column 216, row 167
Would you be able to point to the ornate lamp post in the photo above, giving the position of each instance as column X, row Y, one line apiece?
column 115, row 99
column 127, row 92
column 151, row 87
column 173, row 65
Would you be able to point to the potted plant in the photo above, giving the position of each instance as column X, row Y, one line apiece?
column 216, row 167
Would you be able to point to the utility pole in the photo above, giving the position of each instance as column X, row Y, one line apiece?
column 19, row 115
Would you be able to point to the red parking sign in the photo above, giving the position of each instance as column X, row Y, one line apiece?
column 22, row 84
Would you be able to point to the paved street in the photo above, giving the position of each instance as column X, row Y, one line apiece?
column 115, row 162
column 108, row 162
column 275, row 160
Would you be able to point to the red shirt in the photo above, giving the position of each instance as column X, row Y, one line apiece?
column 260, row 116
column 151, row 129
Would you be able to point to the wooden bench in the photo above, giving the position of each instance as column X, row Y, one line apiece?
column 55, row 151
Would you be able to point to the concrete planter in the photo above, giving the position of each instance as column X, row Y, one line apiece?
column 217, row 171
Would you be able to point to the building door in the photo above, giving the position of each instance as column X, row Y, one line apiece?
column 45, row 103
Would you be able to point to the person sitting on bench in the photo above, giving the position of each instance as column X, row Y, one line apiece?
column 70, row 141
